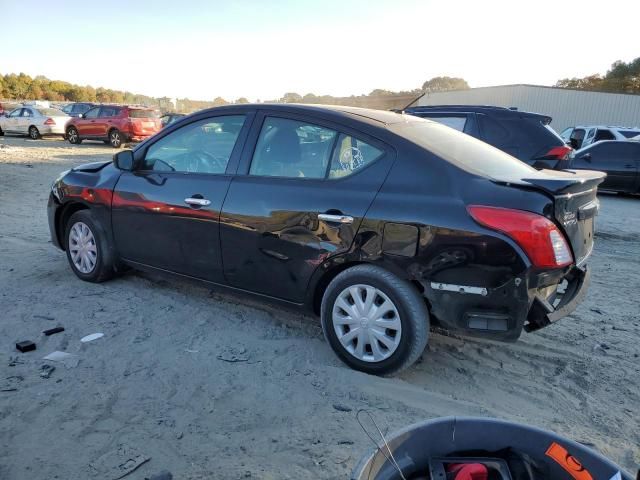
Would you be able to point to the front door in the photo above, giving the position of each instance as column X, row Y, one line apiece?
column 166, row 212
column 616, row 159
column 11, row 123
column 87, row 124
column 302, row 194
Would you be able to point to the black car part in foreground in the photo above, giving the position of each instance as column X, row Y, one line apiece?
column 381, row 223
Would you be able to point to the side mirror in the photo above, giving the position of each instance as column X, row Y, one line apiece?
column 124, row 160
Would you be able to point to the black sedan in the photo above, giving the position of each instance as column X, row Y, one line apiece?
column 620, row 160
column 379, row 222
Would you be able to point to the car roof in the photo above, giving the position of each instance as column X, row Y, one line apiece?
column 486, row 109
column 606, row 126
column 339, row 112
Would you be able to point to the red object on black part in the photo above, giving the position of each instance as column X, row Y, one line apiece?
column 467, row 471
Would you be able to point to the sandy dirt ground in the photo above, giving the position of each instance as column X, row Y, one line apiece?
column 207, row 384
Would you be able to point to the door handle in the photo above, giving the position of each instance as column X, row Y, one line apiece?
column 200, row 202
column 326, row 217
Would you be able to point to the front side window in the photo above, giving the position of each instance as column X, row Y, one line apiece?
column 200, row 147
column 93, row 113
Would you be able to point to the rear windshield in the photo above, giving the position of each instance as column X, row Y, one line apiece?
column 50, row 112
column 630, row 133
column 461, row 149
column 139, row 113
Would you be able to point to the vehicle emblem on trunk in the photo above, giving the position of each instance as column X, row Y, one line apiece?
column 569, row 219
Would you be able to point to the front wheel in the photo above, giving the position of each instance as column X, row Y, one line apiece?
column 88, row 252
column 115, row 138
column 374, row 321
column 34, row 134
column 73, row 136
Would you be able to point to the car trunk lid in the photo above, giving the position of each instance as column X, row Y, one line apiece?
column 575, row 202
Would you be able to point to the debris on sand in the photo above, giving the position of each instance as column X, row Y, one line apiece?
column 92, row 337
column 69, row 360
column 25, row 346
column 118, row 463
column 46, row 371
column 342, row 408
column 233, row 355
column 51, row 331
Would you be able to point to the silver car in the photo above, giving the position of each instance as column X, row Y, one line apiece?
column 34, row 121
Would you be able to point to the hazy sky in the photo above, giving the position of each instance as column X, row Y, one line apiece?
column 262, row 49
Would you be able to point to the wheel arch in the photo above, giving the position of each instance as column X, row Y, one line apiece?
column 63, row 216
column 332, row 269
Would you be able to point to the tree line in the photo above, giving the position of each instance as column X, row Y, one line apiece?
column 23, row 87
column 622, row 77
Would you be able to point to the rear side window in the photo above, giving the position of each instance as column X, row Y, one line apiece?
column 289, row 148
column 351, row 155
column 603, row 134
column 462, row 150
column 454, row 121
column 493, row 130
column 139, row 113
column 109, row 111
column 630, row 133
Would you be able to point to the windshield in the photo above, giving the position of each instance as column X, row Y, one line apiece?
column 139, row 113
column 461, row 149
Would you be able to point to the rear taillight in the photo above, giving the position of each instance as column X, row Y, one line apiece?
column 49, row 121
column 538, row 236
column 560, row 153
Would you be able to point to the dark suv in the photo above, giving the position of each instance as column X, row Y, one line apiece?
column 527, row 136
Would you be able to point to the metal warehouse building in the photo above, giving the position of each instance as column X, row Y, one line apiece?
column 567, row 107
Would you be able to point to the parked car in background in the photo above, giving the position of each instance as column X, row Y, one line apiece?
column 115, row 125
column 34, row 122
column 526, row 136
column 619, row 159
column 77, row 109
column 378, row 222
column 585, row 135
column 8, row 107
column 169, row 118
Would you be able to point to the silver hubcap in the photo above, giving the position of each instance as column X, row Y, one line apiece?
column 82, row 246
column 115, row 139
column 34, row 133
column 73, row 136
column 367, row 323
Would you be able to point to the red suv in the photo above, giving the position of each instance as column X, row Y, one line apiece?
column 114, row 125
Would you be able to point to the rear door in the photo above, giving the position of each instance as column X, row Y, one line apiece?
column 303, row 191
column 25, row 120
column 165, row 214
column 105, row 120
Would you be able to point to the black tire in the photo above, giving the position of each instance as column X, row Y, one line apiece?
column 411, row 307
column 1, row 133
column 103, row 268
column 34, row 133
column 73, row 136
column 115, row 138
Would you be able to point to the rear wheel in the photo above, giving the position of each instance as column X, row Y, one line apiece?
column 34, row 134
column 115, row 138
column 374, row 321
column 73, row 136
column 88, row 252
